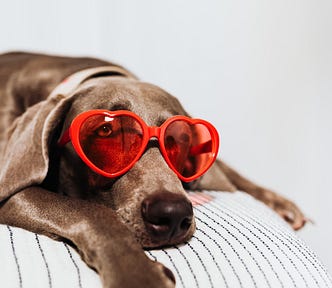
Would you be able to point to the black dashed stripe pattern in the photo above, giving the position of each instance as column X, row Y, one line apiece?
column 249, row 224
column 202, row 264
column 214, row 260
column 79, row 278
column 238, row 243
column 18, row 268
column 284, row 238
column 287, row 239
column 251, row 244
column 175, row 267
column 45, row 261
column 243, row 246
column 229, row 262
column 194, row 276
column 256, row 247
column 151, row 255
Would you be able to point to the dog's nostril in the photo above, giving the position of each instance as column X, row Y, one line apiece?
column 167, row 215
column 186, row 222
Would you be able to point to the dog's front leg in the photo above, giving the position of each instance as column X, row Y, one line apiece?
column 102, row 241
column 224, row 178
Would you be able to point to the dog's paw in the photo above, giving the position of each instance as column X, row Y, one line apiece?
column 138, row 273
column 285, row 208
column 154, row 275
column 291, row 213
column 170, row 278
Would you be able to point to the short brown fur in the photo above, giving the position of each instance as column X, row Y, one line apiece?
column 100, row 217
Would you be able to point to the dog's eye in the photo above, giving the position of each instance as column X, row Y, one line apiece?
column 184, row 138
column 104, row 130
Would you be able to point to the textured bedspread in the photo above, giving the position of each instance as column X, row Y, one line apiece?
column 239, row 242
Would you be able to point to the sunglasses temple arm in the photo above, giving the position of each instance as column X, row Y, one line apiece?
column 64, row 139
column 205, row 147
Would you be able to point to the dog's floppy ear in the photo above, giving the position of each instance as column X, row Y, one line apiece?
column 24, row 159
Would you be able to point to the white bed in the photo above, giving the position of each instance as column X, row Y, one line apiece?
column 239, row 242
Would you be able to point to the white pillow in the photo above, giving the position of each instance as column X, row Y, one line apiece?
column 239, row 242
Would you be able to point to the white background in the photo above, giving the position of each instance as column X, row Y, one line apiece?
column 261, row 71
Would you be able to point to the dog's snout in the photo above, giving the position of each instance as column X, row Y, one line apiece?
column 167, row 216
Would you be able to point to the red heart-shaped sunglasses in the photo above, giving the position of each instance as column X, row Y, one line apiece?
column 111, row 142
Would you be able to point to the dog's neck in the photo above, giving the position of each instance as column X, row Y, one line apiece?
column 72, row 82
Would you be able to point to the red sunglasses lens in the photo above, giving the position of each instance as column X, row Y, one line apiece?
column 111, row 143
column 188, row 147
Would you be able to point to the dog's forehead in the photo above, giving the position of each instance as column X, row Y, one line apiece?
column 151, row 103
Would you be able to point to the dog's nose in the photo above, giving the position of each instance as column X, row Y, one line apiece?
column 167, row 216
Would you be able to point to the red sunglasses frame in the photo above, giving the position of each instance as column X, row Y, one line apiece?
column 72, row 134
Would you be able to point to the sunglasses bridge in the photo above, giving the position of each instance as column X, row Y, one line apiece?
column 153, row 138
column 154, row 131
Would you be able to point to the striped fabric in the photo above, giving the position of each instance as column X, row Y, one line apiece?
column 239, row 242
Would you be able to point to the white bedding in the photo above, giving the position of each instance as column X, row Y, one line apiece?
column 239, row 242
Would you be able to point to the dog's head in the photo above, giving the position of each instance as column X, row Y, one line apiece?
column 150, row 197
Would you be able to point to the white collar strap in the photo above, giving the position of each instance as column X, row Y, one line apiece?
column 71, row 83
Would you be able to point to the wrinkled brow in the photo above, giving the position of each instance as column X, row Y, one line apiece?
column 123, row 105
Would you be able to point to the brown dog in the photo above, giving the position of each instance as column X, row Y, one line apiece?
column 49, row 190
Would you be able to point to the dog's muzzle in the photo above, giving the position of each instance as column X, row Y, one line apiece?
column 167, row 217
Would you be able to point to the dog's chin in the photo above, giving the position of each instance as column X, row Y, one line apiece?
column 149, row 242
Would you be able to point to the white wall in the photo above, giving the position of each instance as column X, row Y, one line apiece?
column 261, row 71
